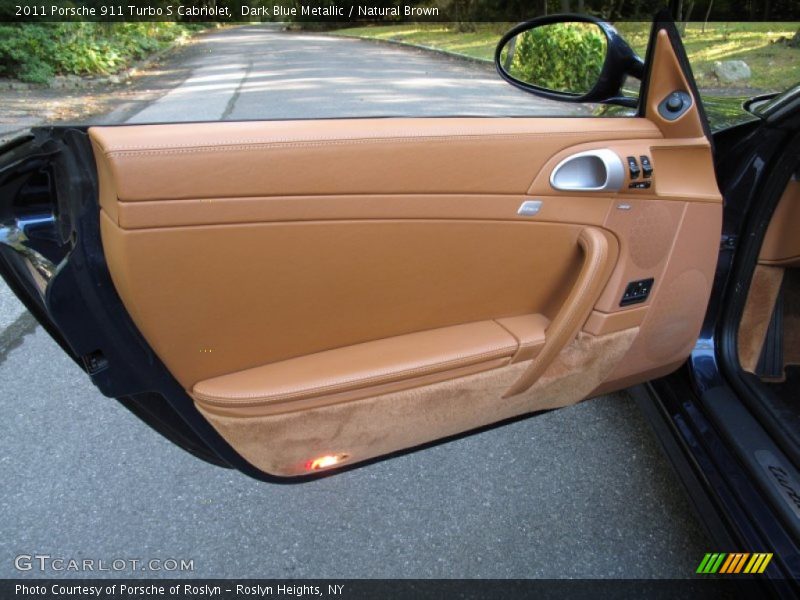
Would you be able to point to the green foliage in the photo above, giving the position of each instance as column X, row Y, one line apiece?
column 566, row 57
column 36, row 52
column 763, row 46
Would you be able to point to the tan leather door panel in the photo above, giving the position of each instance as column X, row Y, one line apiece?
column 214, row 300
column 349, row 288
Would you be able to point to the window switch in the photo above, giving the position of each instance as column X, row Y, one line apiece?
column 633, row 167
column 636, row 292
column 647, row 167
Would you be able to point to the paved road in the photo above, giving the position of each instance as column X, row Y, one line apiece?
column 581, row 492
column 255, row 72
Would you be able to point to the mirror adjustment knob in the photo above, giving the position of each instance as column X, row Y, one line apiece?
column 674, row 102
column 674, row 105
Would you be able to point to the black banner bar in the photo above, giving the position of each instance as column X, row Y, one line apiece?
column 406, row 589
column 384, row 11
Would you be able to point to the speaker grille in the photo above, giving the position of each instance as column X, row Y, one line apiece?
column 674, row 320
column 650, row 235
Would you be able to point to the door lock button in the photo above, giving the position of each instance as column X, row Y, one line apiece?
column 633, row 167
column 639, row 185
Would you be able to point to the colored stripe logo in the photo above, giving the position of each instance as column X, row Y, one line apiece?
column 734, row 563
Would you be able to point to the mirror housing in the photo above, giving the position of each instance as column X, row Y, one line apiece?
column 620, row 61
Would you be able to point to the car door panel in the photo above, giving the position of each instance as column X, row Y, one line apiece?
column 350, row 288
column 353, row 288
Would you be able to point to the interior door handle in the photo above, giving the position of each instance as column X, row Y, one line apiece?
column 599, row 170
column 569, row 320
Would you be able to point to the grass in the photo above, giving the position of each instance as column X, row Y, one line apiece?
column 475, row 44
column 774, row 66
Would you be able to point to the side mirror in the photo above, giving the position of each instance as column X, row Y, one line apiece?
column 572, row 58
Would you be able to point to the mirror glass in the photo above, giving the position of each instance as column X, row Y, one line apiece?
column 560, row 57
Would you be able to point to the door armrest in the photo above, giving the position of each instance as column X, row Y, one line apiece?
column 372, row 368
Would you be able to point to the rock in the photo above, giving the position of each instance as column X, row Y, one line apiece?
column 120, row 77
column 66, row 82
column 19, row 86
column 732, row 71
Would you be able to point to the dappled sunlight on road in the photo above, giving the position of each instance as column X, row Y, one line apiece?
column 260, row 72
column 441, row 82
column 202, row 79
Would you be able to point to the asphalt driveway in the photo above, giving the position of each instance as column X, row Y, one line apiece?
column 580, row 492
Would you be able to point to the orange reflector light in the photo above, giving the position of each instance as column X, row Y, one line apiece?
column 323, row 462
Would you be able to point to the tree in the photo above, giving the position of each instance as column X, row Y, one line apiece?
column 708, row 14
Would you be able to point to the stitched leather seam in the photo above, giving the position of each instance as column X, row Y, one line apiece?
column 531, row 344
column 229, row 145
column 423, row 136
column 565, row 327
column 598, row 259
column 508, row 331
column 498, row 352
column 385, row 137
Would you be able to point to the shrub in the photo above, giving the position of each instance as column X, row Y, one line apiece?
column 564, row 56
column 35, row 52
